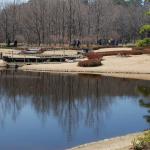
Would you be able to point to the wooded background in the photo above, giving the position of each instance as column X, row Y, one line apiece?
column 61, row 21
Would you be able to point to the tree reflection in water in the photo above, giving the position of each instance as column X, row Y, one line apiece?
column 145, row 101
column 70, row 98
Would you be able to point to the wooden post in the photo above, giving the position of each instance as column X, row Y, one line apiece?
column 64, row 52
column 12, row 56
column 1, row 55
column 24, row 59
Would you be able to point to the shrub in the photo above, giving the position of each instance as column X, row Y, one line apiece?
column 134, row 52
column 144, row 29
column 147, row 13
column 90, row 63
column 138, row 144
column 143, row 43
column 142, row 142
column 93, row 55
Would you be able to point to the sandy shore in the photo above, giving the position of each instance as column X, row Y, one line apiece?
column 113, row 49
column 15, row 53
column 8, row 52
column 118, row 143
column 3, row 64
column 60, row 52
column 73, row 52
column 129, row 67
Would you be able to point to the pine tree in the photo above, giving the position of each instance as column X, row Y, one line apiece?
column 145, row 30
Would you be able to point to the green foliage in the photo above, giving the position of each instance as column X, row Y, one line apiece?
column 147, row 13
column 145, row 28
column 120, row 2
column 145, row 91
column 138, row 144
column 128, row 2
column 143, row 43
column 147, row 137
column 142, row 141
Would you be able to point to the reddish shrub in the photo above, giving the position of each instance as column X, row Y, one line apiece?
column 111, row 53
column 90, row 63
column 93, row 55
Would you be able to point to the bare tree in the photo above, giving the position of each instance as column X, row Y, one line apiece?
column 61, row 21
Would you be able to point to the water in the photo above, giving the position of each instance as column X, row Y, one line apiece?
column 43, row 111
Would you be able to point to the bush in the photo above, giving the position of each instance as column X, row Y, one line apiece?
column 134, row 52
column 90, row 63
column 143, row 43
column 93, row 55
column 144, row 29
column 142, row 142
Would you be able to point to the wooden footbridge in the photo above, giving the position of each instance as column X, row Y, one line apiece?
column 16, row 61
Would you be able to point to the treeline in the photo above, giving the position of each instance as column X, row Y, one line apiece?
column 61, row 21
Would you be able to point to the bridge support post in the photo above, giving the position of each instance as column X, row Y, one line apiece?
column 1, row 55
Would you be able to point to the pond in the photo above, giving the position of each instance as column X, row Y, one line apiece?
column 46, row 111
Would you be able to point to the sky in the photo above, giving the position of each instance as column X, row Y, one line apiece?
column 6, row 1
column 11, row 0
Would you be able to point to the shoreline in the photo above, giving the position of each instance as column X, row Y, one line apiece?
column 136, row 67
column 116, row 143
column 133, row 66
column 2, row 64
column 128, row 75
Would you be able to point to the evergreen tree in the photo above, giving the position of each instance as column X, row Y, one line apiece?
column 145, row 30
column 128, row 2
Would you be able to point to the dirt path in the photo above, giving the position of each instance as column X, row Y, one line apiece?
column 118, row 143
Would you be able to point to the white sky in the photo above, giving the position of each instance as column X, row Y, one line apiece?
column 12, row 0
column 6, row 1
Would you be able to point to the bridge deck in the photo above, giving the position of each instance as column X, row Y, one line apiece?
column 17, row 61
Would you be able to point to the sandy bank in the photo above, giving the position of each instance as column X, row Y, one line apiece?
column 8, row 51
column 2, row 63
column 63, row 52
column 60, row 52
column 113, row 49
column 73, row 52
column 118, row 143
column 112, row 65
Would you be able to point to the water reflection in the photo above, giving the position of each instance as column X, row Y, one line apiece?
column 71, row 99
column 62, row 95
column 145, row 101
